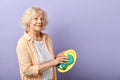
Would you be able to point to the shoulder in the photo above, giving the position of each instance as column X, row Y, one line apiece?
column 47, row 37
column 21, row 41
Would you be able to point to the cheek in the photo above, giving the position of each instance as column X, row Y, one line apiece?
column 44, row 23
column 33, row 23
column 32, row 26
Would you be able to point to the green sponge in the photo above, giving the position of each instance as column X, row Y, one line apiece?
column 65, row 65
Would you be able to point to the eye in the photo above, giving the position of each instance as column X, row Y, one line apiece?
column 35, row 18
column 42, row 18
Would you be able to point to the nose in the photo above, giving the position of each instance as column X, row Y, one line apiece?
column 39, row 21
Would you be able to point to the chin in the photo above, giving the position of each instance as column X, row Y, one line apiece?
column 38, row 30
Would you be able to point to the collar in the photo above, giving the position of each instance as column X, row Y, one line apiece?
column 29, row 37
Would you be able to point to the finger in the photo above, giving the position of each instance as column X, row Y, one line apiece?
column 65, row 57
column 66, row 60
column 62, row 62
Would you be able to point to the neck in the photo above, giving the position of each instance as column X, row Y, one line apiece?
column 35, row 35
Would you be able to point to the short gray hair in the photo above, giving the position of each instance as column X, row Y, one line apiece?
column 28, row 15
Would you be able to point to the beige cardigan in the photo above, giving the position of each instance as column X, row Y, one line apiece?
column 28, row 58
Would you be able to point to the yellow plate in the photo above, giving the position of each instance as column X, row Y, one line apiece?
column 73, row 53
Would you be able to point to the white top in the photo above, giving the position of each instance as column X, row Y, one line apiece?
column 44, row 56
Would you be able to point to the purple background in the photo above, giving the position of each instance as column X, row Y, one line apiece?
column 91, row 27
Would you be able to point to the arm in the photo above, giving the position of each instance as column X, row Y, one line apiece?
column 26, row 67
column 25, row 63
column 47, row 65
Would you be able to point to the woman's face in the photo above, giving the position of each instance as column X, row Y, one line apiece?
column 37, row 22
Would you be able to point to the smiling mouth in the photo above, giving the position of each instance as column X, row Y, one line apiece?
column 40, row 25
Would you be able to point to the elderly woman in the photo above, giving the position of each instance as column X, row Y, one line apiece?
column 35, row 50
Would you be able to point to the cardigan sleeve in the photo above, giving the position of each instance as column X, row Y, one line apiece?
column 25, row 64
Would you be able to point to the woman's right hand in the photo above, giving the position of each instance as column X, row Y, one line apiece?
column 60, row 60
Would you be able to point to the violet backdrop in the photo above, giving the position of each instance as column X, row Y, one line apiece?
column 90, row 27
